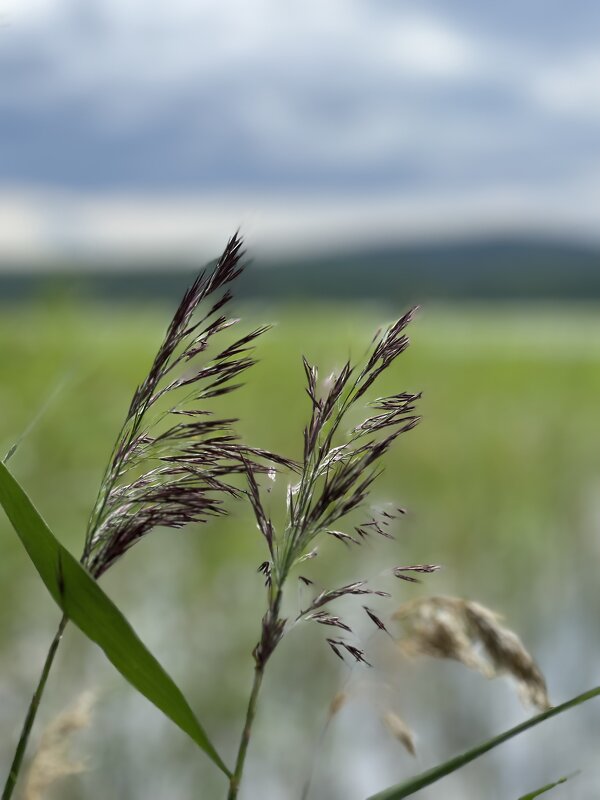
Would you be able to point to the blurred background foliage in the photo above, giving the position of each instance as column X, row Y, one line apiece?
column 501, row 482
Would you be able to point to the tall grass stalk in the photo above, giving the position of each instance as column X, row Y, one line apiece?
column 235, row 780
column 15, row 767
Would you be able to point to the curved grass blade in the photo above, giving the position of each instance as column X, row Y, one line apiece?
column 83, row 601
column 432, row 775
column 546, row 788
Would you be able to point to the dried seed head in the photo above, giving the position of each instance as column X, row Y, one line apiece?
column 52, row 762
column 450, row 627
column 508, row 654
column 437, row 629
column 400, row 731
column 338, row 702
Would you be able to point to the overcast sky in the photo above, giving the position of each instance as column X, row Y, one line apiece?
column 295, row 118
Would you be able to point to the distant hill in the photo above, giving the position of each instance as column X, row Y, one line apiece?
column 489, row 269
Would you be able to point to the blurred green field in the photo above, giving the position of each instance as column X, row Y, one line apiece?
column 501, row 480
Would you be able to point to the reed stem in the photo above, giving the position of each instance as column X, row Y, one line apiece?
column 15, row 767
column 262, row 653
column 234, row 783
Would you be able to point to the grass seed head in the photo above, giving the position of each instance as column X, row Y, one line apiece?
column 468, row 632
column 52, row 761
column 173, row 462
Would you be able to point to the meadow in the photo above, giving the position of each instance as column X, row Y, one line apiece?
column 502, row 485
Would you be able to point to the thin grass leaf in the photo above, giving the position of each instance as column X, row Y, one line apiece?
column 436, row 773
column 546, row 788
column 56, row 391
column 83, row 601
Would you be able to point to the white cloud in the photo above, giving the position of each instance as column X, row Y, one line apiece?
column 428, row 47
column 571, row 86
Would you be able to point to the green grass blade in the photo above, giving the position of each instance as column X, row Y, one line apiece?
column 544, row 789
column 432, row 775
column 83, row 601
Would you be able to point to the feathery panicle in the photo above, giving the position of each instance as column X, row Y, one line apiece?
column 450, row 627
column 336, row 478
column 52, row 762
column 337, row 471
column 172, row 462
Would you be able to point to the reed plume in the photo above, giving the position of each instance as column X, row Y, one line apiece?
column 173, row 462
column 337, row 471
